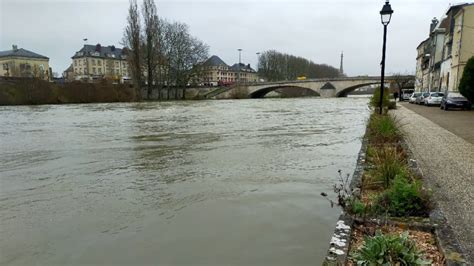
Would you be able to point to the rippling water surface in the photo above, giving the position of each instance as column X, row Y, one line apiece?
column 175, row 183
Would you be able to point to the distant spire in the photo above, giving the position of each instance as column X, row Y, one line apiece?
column 341, row 67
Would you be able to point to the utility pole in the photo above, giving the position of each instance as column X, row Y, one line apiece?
column 258, row 64
column 86, row 73
column 258, row 60
column 238, row 75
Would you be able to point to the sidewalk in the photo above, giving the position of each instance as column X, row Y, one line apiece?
column 447, row 163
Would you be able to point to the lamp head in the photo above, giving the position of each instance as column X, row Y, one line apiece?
column 386, row 13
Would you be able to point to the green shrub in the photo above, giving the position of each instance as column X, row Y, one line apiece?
column 466, row 84
column 388, row 164
column 375, row 100
column 389, row 250
column 383, row 129
column 403, row 199
column 357, row 207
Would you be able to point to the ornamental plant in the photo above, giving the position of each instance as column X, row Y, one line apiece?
column 384, row 249
column 375, row 100
column 404, row 199
column 383, row 129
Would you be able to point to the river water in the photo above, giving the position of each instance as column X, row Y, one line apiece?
column 176, row 183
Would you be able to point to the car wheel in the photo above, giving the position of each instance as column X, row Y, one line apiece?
column 446, row 108
column 441, row 107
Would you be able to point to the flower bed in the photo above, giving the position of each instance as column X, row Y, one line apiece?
column 388, row 214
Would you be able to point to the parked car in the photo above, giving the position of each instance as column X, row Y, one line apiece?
column 454, row 100
column 421, row 99
column 406, row 94
column 413, row 97
column 433, row 99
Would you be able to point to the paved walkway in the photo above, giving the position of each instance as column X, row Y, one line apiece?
column 447, row 163
column 459, row 122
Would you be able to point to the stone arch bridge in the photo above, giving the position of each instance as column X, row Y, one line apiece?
column 326, row 88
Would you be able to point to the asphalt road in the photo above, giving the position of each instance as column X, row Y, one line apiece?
column 459, row 122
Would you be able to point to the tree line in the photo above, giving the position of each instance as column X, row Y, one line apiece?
column 162, row 55
column 276, row 66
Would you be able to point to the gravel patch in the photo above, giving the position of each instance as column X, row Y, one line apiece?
column 447, row 163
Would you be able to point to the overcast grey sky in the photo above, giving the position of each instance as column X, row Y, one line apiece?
column 315, row 29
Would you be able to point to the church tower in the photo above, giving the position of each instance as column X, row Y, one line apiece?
column 341, row 67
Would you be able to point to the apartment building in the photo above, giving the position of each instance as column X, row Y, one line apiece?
column 19, row 62
column 215, row 71
column 462, row 35
column 422, row 66
column 95, row 62
column 442, row 56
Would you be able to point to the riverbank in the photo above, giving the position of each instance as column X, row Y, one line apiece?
column 35, row 92
column 386, row 195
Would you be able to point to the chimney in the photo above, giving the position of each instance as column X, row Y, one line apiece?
column 97, row 47
column 112, row 48
column 434, row 22
column 15, row 47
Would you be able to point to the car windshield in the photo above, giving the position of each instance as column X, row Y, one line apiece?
column 426, row 94
column 416, row 94
column 455, row 95
column 437, row 94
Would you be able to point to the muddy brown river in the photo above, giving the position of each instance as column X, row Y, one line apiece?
column 231, row 182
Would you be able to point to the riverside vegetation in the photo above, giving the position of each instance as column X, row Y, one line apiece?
column 35, row 91
column 390, row 199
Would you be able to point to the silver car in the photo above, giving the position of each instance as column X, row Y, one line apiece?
column 421, row 99
column 413, row 97
column 433, row 99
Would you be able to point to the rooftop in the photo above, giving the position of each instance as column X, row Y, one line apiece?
column 100, row 51
column 243, row 67
column 214, row 61
column 457, row 6
column 15, row 52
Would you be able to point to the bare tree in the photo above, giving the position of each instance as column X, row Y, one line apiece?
column 182, row 53
column 152, row 42
column 132, row 40
column 403, row 81
column 276, row 66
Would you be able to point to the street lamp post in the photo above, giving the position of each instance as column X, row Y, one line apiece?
column 386, row 15
column 238, row 75
column 258, row 64
column 258, row 60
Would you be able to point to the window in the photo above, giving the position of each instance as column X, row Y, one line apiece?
column 93, row 70
column 93, row 62
column 100, row 70
column 99, row 62
column 5, row 66
column 25, row 67
column 75, row 62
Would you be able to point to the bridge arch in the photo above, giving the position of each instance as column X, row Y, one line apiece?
column 344, row 92
column 260, row 93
